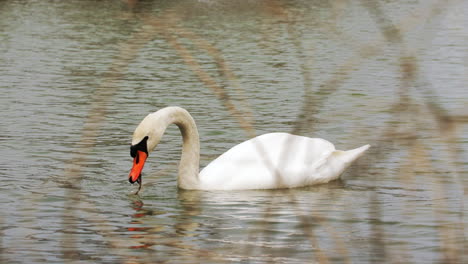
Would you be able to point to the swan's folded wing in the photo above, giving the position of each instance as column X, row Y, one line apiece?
column 269, row 161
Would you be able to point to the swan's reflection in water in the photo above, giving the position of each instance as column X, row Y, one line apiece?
column 138, row 228
column 164, row 233
column 227, row 225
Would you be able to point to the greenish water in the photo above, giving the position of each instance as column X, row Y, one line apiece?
column 78, row 76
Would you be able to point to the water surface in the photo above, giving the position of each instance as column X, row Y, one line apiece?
column 78, row 76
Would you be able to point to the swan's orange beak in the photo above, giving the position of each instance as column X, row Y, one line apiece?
column 138, row 163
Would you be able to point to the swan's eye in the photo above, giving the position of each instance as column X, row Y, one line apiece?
column 140, row 146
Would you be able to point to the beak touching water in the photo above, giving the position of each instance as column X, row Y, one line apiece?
column 138, row 163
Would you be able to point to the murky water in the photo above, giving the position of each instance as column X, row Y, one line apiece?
column 78, row 76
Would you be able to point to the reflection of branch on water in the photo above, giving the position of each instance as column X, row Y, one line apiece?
column 218, row 90
column 409, row 138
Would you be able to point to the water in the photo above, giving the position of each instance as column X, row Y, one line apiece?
column 78, row 76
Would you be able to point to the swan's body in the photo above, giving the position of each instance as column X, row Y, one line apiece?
column 269, row 161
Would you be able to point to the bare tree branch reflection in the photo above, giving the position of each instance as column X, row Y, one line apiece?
column 405, row 131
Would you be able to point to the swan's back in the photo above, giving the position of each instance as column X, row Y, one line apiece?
column 275, row 160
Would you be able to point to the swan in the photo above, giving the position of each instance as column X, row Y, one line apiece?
column 269, row 161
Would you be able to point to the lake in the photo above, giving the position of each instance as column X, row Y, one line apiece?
column 77, row 77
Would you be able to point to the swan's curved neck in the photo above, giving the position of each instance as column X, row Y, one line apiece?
column 190, row 159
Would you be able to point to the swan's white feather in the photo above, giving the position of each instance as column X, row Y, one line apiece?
column 275, row 160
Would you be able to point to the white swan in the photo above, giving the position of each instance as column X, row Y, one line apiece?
column 269, row 161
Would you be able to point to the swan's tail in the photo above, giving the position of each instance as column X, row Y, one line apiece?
column 351, row 155
column 335, row 164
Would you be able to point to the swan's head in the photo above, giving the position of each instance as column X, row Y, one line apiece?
column 145, row 138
